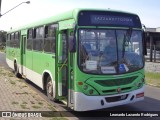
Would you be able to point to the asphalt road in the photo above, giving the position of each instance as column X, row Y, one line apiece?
column 3, row 60
column 151, row 103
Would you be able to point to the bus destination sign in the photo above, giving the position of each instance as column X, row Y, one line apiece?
column 108, row 18
column 111, row 20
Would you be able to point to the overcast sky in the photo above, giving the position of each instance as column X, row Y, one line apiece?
column 148, row 10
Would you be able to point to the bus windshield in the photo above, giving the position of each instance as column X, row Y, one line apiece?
column 109, row 51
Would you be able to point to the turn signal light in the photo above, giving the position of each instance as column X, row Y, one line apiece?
column 140, row 95
column 80, row 83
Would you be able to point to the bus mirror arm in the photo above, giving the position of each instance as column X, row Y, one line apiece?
column 72, row 41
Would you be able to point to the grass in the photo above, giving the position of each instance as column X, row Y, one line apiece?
column 52, row 108
column 12, row 82
column 1, row 70
column 153, row 78
column 59, row 118
column 2, row 50
column 15, row 103
column 23, row 106
column 40, row 103
column 23, row 86
column 36, row 107
column 25, row 93
column 11, row 75
column 24, row 103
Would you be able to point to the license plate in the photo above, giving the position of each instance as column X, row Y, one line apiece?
column 122, row 97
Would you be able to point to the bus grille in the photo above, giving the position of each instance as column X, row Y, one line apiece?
column 116, row 82
column 115, row 90
column 116, row 98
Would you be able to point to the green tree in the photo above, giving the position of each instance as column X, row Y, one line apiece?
column 3, row 37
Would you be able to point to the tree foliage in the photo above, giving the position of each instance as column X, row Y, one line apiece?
column 3, row 37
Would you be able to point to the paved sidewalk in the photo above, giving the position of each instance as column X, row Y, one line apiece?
column 15, row 95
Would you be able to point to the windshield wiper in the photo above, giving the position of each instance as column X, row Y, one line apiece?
column 126, row 40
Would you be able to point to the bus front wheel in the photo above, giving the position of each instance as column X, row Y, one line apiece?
column 50, row 89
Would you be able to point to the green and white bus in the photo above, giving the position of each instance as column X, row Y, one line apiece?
column 88, row 58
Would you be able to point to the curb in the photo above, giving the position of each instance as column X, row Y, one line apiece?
column 152, row 85
column 2, row 52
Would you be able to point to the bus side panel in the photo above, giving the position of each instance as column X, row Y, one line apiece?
column 40, row 62
column 29, row 59
column 11, row 55
column 49, row 65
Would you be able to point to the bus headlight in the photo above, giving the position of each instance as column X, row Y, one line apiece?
column 140, row 83
column 143, row 80
column 85, row 87
column 89, row 90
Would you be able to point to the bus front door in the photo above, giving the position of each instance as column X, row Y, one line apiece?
column 65, row 67
column 62, row 58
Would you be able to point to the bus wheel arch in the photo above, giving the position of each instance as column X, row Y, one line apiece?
column 49, row 87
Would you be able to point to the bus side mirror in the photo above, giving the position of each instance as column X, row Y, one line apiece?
column 144, row 44
column 72, row 44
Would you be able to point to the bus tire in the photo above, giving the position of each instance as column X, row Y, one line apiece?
column 16, row 72
column 50, row 89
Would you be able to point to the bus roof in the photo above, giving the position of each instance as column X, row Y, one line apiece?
column 72, row 14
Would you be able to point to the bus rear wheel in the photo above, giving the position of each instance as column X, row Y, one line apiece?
column 16, row 72
column 50, row 89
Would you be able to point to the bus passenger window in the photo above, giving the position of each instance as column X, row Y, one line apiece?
column 8, row 40
column 38, row 41
column 50, row 38
column 12, row 40
column 17, row 41
column 30, row 39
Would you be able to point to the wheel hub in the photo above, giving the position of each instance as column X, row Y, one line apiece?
column 50, row 88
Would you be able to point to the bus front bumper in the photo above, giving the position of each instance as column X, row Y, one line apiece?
column 83, row 102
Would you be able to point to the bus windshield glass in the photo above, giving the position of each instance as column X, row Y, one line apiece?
column 109, row 51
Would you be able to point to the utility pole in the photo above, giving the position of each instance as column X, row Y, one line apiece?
column 27, row 2
column 0, row 6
